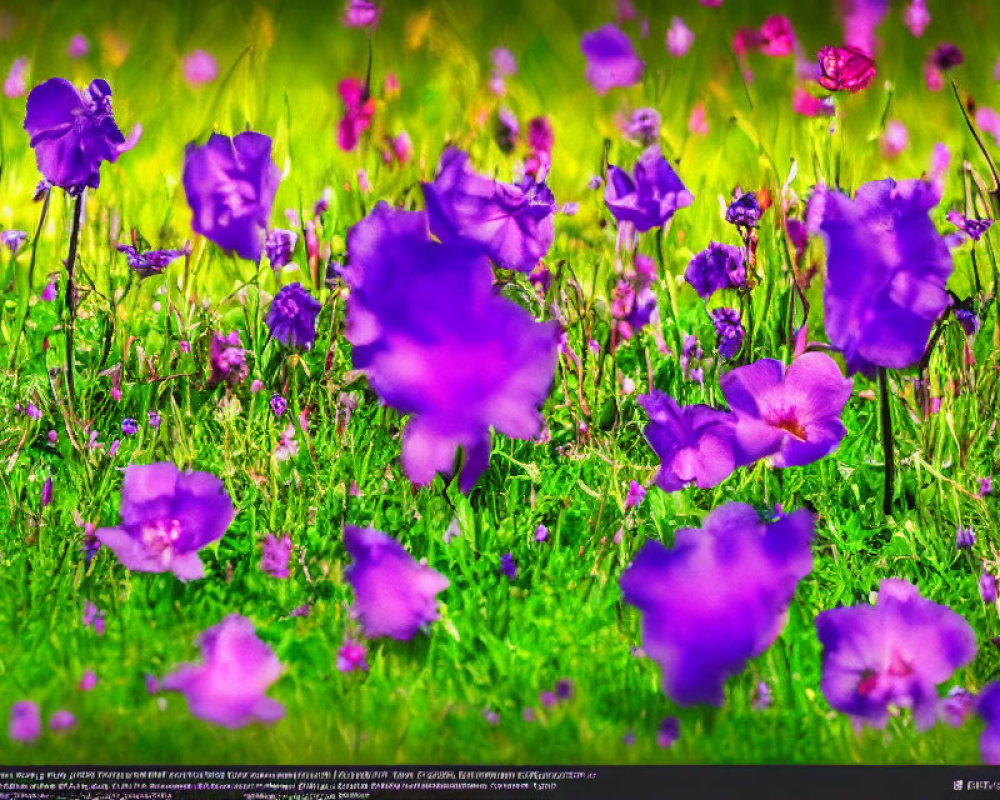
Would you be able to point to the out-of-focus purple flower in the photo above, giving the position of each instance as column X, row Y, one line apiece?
column 393, row 595
column 694, row 443
column 540, row 135
column 228, row 359
column 729, row 331
column 91, row 544
column 917, row 17
column 964, row 538
column 541, row 533
column 73, row 131
column 46, row 498
column 279, row 245
column 777, row 38
column 988, row 121
column 53, row 436
column 113, row 448
column 93, row 617
column 946, row 56
column 969, row 321
column 717, row 267
column 25, row 721
column 228, row 686
column 276, row 554
column 167, row 516
column 300, row 611
column 352, row 656
column 985, row 486
column 151, row 262
column 438, row 343
column 287, row 446
column 679, row 38
column 643, row 126
column 14, row 240
column 130, row 427
column 51, row 292
column 62, row 720
column 988, row 587
column 744, row 211
column 359, row 108
column 635, row 495
column 611, row 59
column 564, row 689
column 400, row 148
column 895, row 652
column 668, row 732
column 845, row 68
column 16, row 83
column 78, row 46
column 973, row 228
column 650, row 196
column 988, row 707
column 230, row 185
column 291, row 319
column 692, row 359
column 88, row 681
column 152, row 684
column 762, row 697
column 718, row 597
column 503, row 61
column 861, row 18
column 512, row 223
column 956, row 706
column 507, row 130
column 278, row 405
column 508, row 566
column 698, row 121
column 895, row 139
column 199, row 67
column 361, row 14
column 790, row 416
column 886, row 272
column 153, row 420
column 807, row 104
column 491, row 716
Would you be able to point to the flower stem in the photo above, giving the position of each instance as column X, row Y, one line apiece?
column 25, row 299
column 74, row 239
column 668, row 279
column 888, row 445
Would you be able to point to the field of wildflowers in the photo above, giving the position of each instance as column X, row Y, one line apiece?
column 523, row 382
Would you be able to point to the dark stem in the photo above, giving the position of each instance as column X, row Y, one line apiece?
column 74, row 239
column 979, row 142
column 888, row 446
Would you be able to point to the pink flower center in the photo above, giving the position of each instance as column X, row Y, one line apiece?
column 868, row 682
column 160, row 536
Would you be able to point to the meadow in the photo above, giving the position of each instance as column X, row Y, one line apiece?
column 531, row 654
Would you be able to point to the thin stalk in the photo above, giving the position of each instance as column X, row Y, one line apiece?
column 668, row 279
column 31, row 277
column 74, row 240
column 888, row 445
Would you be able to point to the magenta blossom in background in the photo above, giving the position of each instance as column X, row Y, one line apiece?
column 894, row 140
column 359, row 108
column 886, row 272
column 230, row 185
column 14, row 240
column 789, row 415
column 777, row 39
column 228, row 687
column 807, row 104
column 25, row 721
column 62, row 720
column 78, row 46
column 650, row 196
column 611, row 59
column 361, row 14
column 167, row 516
column 51, row 290
column 917, row 17
column 352, row 656
column 276, row 554
column 16, row 83
column 845, row 68
column 718, row 597
column 861, row 18
column 635, row 495
column 394, row 596
column 291, row 319
column 643, row 126
column 228, row 359
column 894, row 652
column 93, row 617
column 698, row 121
column 679, row 38
column 199, row 68
column 88, row 681
column 694, row 443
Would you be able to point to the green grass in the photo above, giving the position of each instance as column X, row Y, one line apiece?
column 498, row 644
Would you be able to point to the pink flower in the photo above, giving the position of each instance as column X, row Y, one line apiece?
column 199, row 68
column 777, row 39
column 78, row 46
column 895, row 139
column 698, row 122
column 16, row 83
column 807, row 104
column 359, row 107
column 679, row 38
column 989, row 122
column 917, row 17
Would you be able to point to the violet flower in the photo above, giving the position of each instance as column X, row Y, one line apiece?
column 956, row 706
column 643, row 126
column 988, row 588
column 151, row 262
column 352, row 656
column 611, row 59
column 508, row 566
column 717, row 267
column 130, row 427
column 650, row 196
column 199, row 67
column 361, row 14
column 228, row 687
column 729, row 331
column 291, row 319
column 964, row 538
column 718, row 597
column 359, row 108
column 789, row 415
column 16, row 82
column 276, row 554
column 744, row 211
column 25, row 721
column 988, row 707
column 635, row 495
column 973, row 228
column 51, row 290
column 167, row 516
column 279, row 405
column 668, row 732
column 692, row 359
column 393, row 595
column 845, row 68
column 893, row 653
column 228, row 359
column 14, row 240
column 62, row 720
column 679, row 38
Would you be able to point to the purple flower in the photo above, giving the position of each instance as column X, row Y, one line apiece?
column 53, row 436
column 25, row 721
column 228, row 687
column 717, row 267
column 611, row 59
column 790, row 415
column 72, row 131
column 694, row 443
column 279, row 405
column 762, row 697
column 438, row 343
column 956, row 706
column 540, row 135
column 152, row 684
column 946, row 56
column 988, row 707
column 359, row 108
column 917, row 17
column 228, row 359
column 291, row 319
column 167, row 516
column 46, row 498
column 91, row 546
column 692, row 359
column 14, row 240
column 985, row 486
column 541, row 533
column 564, row 689
column 965, row 538
column 679, row 38
column 153, row 420
column 635, row 495
column 845, row 68
column 152, row 262
column 988, row 587
column 729, row 331
column 744, row 211
column 129, row 426
column 886, row 271
column 276, row 555
column 93, row 617
column 633, row 305
column 895, row 652
column 668, row 732
column 230, row 185
column 776, row 37
column 650, row 196
column 507, row 129
column 508, row 566
column 643, row 126
column 504, row 63
column 973, row 228
column 548, row 699
column 861, row 18
column 199, row 67
column 718, row 597
column 16, row 82
column 78, row 46
column 895, row 139
column 511, row 222
column 62, row 720
column 50, row 292
column 361, row 14
column 88, row 681
column 279, row 247
column 352, row 656
column 393, row 595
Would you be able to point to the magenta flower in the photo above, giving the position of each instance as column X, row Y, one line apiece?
column 352, row 656
column 511, row 222
column 893, row 653
column 917, row 17
column 679, row 38
column 861, row 18
column 777, row 39
column 199, row 67
column 78, row 46
column 807, row 104
column 16, row 82
column 51, row 290
column 956, row 706
column 151, row 262
column 694, row 443
column 276, row 555
column 228, row 687
column 394, row 596
column 650, row 196
column 718, row 597
column 93, row 617
column 73, row 131
column 361, row 14
column 611, row 59
column 230, row 185
column 167, row 516
column 975, row 229
column 25, row 721
column 635, row 495
column 790, row 415
column 894, row 140
column 228, row 359
column 717, row 267
column 886, row 272
column 437, row 343
column 845, row 68
column 62, row 720
column 359, row 108
column 291, row 319
column 88, row 681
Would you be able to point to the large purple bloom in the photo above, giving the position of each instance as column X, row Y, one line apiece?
column 649, row 197
column 511, row 222
column 789, row 415
column 886, row 271
column 694, row 443
column 718, row 597
column 72, row 131
column 393, row 595
column 436, row 342
column 291, row 319
column 894, row 652
column 230, row 185
column 611, row 59
column 717, row 267
column 167, row 516
column 228, row 687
